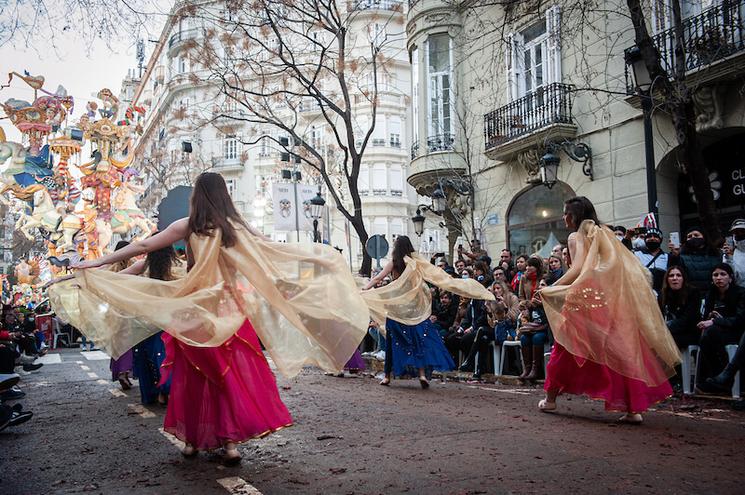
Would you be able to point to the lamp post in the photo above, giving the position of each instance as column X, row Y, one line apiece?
column 418, row 221
column 317, row 206
column 643, row 84
column 549, row 168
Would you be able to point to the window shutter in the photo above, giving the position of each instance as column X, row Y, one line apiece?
column 515, row 65
column 553, row 29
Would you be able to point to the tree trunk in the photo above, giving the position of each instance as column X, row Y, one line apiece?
column 359, row 228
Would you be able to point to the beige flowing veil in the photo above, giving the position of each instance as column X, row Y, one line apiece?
column 604, row 310
column 302, row 301
column 408, row 299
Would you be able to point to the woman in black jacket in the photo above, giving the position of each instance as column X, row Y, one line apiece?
column 698, row 259
column 724, row 323
column 680, row 304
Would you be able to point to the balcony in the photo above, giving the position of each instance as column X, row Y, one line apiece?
column 179, row 38
column 709, row 38
column 389, row 5
column 309, row 105
column 529, row 121
column 440, row 142
column 434, row 159
column 222, row 164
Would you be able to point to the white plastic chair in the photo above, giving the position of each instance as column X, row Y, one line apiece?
column 731, row 350
column 58, row 334
column 505, row 345
column 688, row 368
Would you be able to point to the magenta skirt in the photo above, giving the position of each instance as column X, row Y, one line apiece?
column 568, row 374
column 221, row 394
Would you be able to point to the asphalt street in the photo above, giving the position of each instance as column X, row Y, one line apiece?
column 352, row 436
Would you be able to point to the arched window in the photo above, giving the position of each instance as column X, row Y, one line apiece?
column 534, row 219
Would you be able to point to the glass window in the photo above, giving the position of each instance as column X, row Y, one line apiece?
column 439, row 48
column 379, row 179
column 380, row 226
column 396, row 178
column 230, row 147
column 363, row 183
column 535, row 218
column 415, row 92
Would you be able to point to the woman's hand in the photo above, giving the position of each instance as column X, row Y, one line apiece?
column 705, row 324
column 83, row 265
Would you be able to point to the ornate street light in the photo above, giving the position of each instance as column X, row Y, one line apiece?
column 549, row 164
column 642, row 78
column 439, row 202
column 418, row 221
column 317, row 206
column 549, row 169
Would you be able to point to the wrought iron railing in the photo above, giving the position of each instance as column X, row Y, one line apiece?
column 438, row 142
column 414, row 149
column 184, row 35
column 713, row 35
column 391, row 5
column 549, row 105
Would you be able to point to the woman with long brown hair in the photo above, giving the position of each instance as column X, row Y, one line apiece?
column 611, row 339
column 413, row 342
column 301, row 301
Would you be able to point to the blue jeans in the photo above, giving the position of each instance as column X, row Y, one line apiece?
column 378, row 337
column 83, row 341
column 534, row 338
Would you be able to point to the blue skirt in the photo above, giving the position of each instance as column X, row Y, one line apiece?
column 414, row 347
column 148, row 355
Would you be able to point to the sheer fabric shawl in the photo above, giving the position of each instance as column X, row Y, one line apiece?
column 408, row 299
column 604, row 310
column 302, row 301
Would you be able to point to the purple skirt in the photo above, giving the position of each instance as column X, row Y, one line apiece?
column 355, row 362
column 124, row 363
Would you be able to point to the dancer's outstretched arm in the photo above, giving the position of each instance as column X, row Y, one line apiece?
column 136, row 269
column 177, row 231
column 380, row 276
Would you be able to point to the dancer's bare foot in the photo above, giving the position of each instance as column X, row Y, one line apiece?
column 386, row 381
column 189, row 450
column 546, row 406
column 631, row 418
column 124, row 381
column 232, row 457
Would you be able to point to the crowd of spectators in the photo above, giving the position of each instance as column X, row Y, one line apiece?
column 21, row 344
column 700, row 289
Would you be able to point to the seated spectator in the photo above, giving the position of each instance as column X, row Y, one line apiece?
column 473, row 336
column 520, row 264
column 555, row 269
column 446, row 311
column 374, row 331
column 621, row 235
column 723, row 381
column 734, row 253
column 504, row 327
column 653, row 258
column 680, row 304
column 481, row 273
column 698, row 259
column 529, row 281
column 724, row 323
column 534, row 335
column 503, row 295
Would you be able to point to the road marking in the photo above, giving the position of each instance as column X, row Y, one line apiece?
column 505, row 391
column 78, row 362
column 84, row 367
column 139, row 409
column 175, row 441
column 92, row 375
column 238, row 485
column 102, row 382
column 50, row 359
column 117, row 393
column 95, row 355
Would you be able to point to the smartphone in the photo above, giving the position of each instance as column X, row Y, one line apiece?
column 729, row 240
column 675, row 239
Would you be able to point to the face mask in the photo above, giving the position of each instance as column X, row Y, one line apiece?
column 695, row 243
column 653, row 245
column 465, row 275
column 620, row 237
column 740, row 245
column 638, row 243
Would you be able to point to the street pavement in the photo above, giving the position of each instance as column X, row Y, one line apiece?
column 352, row 436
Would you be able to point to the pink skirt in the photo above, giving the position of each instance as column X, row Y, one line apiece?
column 569, row 374
column 221, row 394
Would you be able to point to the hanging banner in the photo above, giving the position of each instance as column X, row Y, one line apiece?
column 286, row 211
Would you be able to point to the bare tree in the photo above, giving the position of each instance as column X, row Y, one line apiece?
column 297, row 68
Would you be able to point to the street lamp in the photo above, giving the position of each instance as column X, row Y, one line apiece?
column 643, row 84
column 549, row 169
column 439, row 202
column 317, row 205
column 418, row 221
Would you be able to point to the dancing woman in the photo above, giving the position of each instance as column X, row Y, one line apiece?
column 611, row 339
column 301, row 300
column 413, row 342
column 122, row 367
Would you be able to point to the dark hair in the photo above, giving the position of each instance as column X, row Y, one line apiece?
column 523, row 256
column 674, row 298
column 121, row 245
column 727, row 268
column 401, row 248
column 579, row 208
column 620, row 228
column 158, row 263
column 536, row 263
column 211, row 208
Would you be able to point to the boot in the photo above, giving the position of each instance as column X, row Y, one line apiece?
column 723, row 380
column 527, row 352
column 468, row 363
column 537, row 363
